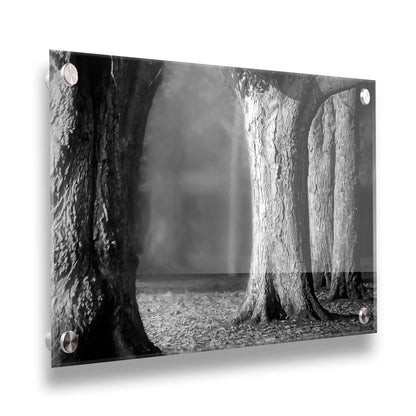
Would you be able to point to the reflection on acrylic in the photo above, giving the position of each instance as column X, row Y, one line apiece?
column 199, row 207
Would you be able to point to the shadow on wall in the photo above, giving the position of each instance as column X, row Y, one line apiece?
column 185, row 365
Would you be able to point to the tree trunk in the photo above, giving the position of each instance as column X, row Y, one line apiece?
column 321, row 192
column 278, row 286
column 97, row 130
column 346, row 279
column 279, row 109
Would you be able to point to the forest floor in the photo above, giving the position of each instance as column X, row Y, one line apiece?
column 189, row 314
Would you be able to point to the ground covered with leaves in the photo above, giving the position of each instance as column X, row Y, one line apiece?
column 188, row 315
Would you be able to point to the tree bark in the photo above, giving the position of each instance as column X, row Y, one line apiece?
column 321, row 192
column 279, row 109
column 346, row 278
column 97, row 130
column 279, row 284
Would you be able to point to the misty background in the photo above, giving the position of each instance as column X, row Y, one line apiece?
column 195, row 201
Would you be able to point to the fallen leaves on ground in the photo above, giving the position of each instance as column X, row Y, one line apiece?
column 195, row 321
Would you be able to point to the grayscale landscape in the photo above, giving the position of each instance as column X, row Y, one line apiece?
column 199, row 208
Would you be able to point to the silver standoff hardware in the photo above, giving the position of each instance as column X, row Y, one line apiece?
column 69, row 342
column 48, row 341
column 364, row 316
column 69, row 74
column 47, row 80
column 365, row 96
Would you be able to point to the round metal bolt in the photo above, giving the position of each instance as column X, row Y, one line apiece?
column 365, row 96
column 69, row 74
column 47, row 80
column 48, row 340
column 364, row 316
column 69, row 342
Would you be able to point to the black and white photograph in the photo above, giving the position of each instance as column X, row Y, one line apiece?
column 208, row 208
column 200, row 208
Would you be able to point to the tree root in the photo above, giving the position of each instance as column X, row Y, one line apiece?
column 261, row 307
column 321, row 280
column 314, row 310
column 347, row 286
column 268, row 306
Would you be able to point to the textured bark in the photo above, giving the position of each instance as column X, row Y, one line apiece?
column 346, row 279
column 321, row 192
column 97, row 129
column 279, row 109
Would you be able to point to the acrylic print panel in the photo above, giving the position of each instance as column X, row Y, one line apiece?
column 199, row 207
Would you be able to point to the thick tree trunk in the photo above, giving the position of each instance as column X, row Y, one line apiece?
column 321, row 192
column 346, row 279
column 279, row 109
column 97, row 129
column 279, row 285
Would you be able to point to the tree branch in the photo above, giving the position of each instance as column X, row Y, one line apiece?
column 332, row 85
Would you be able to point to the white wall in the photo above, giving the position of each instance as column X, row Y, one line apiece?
column 372, row 374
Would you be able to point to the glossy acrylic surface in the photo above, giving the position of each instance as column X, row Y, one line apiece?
column 199, row 207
